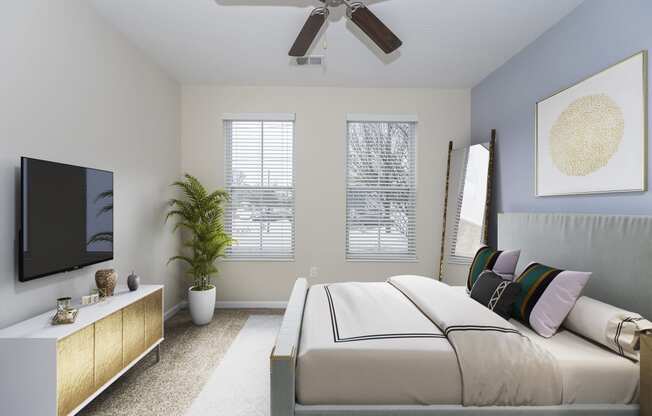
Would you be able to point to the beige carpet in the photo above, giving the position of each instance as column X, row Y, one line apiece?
column 189, row 355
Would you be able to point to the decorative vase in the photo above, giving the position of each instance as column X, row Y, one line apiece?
column 202, row 305
column 105, row 280
column 133, row 281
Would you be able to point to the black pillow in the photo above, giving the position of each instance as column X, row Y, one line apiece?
column 496, row 293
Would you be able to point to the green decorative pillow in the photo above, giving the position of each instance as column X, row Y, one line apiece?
column 500, row 262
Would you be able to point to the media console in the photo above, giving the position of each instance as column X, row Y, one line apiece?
column 48, row 370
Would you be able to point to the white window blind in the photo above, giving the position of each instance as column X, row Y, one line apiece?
column 381, row 190
column 260, row 179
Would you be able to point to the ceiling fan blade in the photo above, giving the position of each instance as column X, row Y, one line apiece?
column 309, row 31
column 374, row 28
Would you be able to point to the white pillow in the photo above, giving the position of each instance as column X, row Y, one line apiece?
column 615, row 328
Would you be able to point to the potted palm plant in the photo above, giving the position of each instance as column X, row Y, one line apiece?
column 200, row 213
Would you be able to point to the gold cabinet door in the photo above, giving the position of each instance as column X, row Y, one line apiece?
column 75, row 369
column 133, row 331
column 108, row 348
column 153, row 317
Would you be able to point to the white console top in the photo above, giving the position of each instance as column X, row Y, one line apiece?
column 41, row 327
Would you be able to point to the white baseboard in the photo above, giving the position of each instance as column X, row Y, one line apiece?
column 250, row 305
column 175, row 309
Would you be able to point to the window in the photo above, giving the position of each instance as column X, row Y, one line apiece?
column 381, row 188
column 260, row 178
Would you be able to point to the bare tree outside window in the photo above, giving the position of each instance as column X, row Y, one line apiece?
column 381, row 190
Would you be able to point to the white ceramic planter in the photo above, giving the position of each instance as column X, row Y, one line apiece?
column 202, row 305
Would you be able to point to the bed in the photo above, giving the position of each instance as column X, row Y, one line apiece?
column 384, row 349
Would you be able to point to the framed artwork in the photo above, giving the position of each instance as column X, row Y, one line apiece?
column 592, row 137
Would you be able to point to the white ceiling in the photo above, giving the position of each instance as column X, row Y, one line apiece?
column 447, row 44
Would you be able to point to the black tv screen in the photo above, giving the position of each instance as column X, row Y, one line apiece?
column 66, row 218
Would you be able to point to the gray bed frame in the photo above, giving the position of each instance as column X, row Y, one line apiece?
column 617, row 249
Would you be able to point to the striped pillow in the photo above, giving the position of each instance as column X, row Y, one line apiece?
column 500, row 262
column 547, row 296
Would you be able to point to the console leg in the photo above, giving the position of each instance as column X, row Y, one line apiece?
column 158, row 353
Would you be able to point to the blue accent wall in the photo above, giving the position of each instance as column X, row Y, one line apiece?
column 594, row 36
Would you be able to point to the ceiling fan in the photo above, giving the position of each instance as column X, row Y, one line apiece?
column 359, row 14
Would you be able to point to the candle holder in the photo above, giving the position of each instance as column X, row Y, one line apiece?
column 65, row 313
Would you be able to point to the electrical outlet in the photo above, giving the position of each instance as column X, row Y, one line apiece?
column 314, row 271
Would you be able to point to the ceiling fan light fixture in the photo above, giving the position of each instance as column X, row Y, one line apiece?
column 359, row 14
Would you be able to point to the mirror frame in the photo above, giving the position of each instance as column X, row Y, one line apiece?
column 488, row 201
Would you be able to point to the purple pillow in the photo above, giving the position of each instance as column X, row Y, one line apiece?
column 547, row 296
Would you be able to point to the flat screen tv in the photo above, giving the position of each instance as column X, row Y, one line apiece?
column 66, row 218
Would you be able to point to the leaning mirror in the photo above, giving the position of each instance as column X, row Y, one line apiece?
column 467, row 208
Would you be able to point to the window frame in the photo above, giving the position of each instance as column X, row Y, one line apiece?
column 411, row 256
column 228, row 141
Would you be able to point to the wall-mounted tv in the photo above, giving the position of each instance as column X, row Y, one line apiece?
column 66, row 218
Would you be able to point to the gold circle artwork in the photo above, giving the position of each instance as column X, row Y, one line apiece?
column 586, row 135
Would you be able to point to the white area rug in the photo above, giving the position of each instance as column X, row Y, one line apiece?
column 239, row 386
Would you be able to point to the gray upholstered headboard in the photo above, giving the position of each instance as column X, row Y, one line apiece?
column 616, row 248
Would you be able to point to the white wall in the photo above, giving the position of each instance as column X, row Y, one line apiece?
column 73, row 90
column 320, row 174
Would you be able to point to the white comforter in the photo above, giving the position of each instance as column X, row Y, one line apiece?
column 414, row 340
column 366, row 344
column 499, row 365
